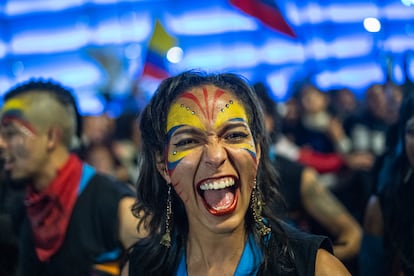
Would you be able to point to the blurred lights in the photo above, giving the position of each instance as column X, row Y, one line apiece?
column 133, row 51
column 350, row 46
column 251, row 53
column 372, row 24
column 399, row 43
column 396, row 11
column 175, row 55
column 92, row 105
column 17, row 68
column 407, row 2
column 2, row 49
column 340, row 13
column 115, row 31
column 360, row 76
column 210, row 22
column 49, row 41
column 278, row 85
column 30, row 6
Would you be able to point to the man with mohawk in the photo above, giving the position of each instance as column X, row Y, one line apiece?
column 76, row 222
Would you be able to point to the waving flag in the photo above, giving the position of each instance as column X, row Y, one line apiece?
column 267, row 12
column 160, row 43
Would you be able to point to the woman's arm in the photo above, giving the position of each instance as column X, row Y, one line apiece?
column 327, row 210
column 328, row 265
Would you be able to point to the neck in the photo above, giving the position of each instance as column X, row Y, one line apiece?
column 215, row 254
column 56, row 160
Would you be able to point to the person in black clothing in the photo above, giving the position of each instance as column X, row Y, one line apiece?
column 204, row 156
column 311, row 207
column 75, row 221
column 9, row 195
column 387, row 247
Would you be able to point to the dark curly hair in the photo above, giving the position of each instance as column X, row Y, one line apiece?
column 148, row 256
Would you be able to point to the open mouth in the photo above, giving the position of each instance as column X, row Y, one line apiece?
column 219, row 195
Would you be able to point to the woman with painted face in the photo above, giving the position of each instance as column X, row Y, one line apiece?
column 206, row 188
column 388, row 243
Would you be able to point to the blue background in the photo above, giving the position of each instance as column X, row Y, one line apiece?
column 98, row 47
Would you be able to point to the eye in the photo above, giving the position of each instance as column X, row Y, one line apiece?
column 186, row 142
column 235, row 137
column 9, row 133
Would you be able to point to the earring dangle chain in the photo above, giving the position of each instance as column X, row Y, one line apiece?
column 257, row 210
column 166, row 238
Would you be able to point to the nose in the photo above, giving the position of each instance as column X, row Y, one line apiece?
column 214, row 154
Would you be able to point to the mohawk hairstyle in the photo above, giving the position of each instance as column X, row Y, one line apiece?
column 63, row 94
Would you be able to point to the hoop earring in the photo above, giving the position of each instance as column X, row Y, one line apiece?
column 256, row 207
column 166, row 238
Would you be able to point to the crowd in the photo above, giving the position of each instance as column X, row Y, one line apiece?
column 211, row 177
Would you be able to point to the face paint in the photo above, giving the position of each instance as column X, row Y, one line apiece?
column 16, row 138
column 211, row 156
column 15, row 110
column 192, row 110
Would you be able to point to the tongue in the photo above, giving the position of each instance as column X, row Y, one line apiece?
column 219, row 199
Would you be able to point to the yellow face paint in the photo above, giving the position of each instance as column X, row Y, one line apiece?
column 190, row 108
column 16, row 110
column 202, row 108
column 13, row 104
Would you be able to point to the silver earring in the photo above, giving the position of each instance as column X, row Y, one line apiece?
column 166, row 238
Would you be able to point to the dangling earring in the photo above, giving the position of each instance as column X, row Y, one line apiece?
column 166, row 238
column 257, row 211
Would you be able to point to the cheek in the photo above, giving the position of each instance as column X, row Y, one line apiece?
column 248, row 150
column 245, row 162
column 19, row 148
column 182, row 174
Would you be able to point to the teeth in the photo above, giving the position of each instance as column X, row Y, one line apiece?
column 217, row 184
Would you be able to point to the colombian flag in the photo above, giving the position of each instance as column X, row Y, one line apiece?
column 160, row 43
column 267, row 12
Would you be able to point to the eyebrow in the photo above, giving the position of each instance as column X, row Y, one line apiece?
column 186, row 129
column 234, row 124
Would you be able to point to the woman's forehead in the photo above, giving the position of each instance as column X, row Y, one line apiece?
column 205, row 103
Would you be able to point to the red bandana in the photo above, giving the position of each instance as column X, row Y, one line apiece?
column 49, row 211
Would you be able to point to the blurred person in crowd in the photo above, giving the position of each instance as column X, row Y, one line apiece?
column 305, row 195
column 102, row 157
column 126, row 143
column 76, row 221
column 97, row 128
column 367, row 129
column 97, row 146
column 204, row 154
column 9, row 194
column 343, row 103
column 388, row 242
column 394, row 94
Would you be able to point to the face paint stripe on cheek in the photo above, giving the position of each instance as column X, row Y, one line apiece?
column 252, row 154
column 179, row 191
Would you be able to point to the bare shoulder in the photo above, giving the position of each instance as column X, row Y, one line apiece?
column 327, row 264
